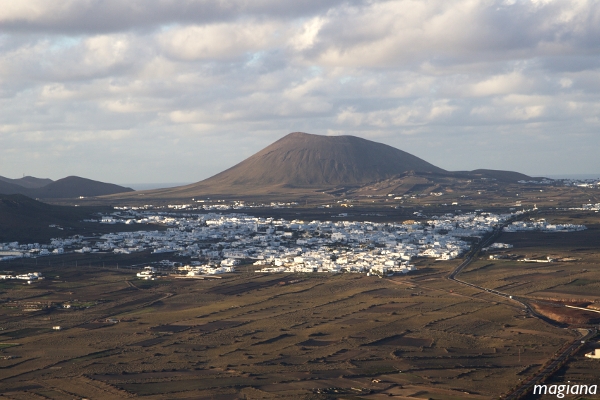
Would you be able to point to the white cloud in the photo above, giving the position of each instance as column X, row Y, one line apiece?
column 441, row 108
column 106, row 51
column 193, row 80
column 225, row 41
column 307, row 36
column 513, row 82
column 565, row 83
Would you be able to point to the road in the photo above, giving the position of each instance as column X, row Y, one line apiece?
column 559, row 358
column 556, row 362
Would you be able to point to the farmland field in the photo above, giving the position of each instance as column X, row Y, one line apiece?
column 252, row 335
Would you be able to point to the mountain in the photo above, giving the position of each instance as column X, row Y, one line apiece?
column 304, row 160
column 24, row 219
column 10, row 188
column 29, row 182
column 69, row 187
column 499, row 175
column 74, row 186
column 301, row 163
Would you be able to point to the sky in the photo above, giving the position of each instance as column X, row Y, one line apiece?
column 152, row 91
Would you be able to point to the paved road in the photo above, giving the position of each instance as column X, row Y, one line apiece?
column 558, row 358
column 555, row 363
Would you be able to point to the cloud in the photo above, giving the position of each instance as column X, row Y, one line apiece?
column 395, row 33
column 94, row 84
column 224, row 41
column 77, row 17
column 501, row 84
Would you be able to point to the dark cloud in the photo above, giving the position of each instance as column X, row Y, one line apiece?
column 106, row 16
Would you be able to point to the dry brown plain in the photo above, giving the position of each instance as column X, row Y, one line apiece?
column 248, row 335
column 576, row 279
column 314, row 337
column 575, row 282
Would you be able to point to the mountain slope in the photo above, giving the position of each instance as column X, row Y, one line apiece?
column 10, row 188
column 74, row 186
column 304, row 160
column 301, row 163
column 505, row 176
column 26, row 220
column 29, row 182
column 69, row 187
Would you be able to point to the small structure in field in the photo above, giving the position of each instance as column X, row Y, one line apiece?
column 594, row 354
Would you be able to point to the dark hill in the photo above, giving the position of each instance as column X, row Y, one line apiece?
column 74, row 186
column 304, row 160
column 26, row 220
column 10, row 188
column 29, row 182
column 305, row 164
column 69, row 187
column 503, row 176
column 301, row 161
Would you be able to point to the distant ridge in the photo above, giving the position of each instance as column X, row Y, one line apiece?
column 305, row 163
column 69, row 187
column 74, row 186
column 495, row 174
column 10, row 188
column 26, row 220
column 29, row 182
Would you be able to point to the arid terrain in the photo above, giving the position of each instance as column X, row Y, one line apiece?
column 92, row 329
column 302, row 166
column 249, row 335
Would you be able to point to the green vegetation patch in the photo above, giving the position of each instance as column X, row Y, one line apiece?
column 151, row 388
column 26, row 332
column 315, row 343
column 273, row 340
column 217, row 325
column 95, row 355
column 169, row 328
column 582, row 282
column 401, row 340
column 149, row 342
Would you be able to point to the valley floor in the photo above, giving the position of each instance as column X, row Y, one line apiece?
column 312, row 336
